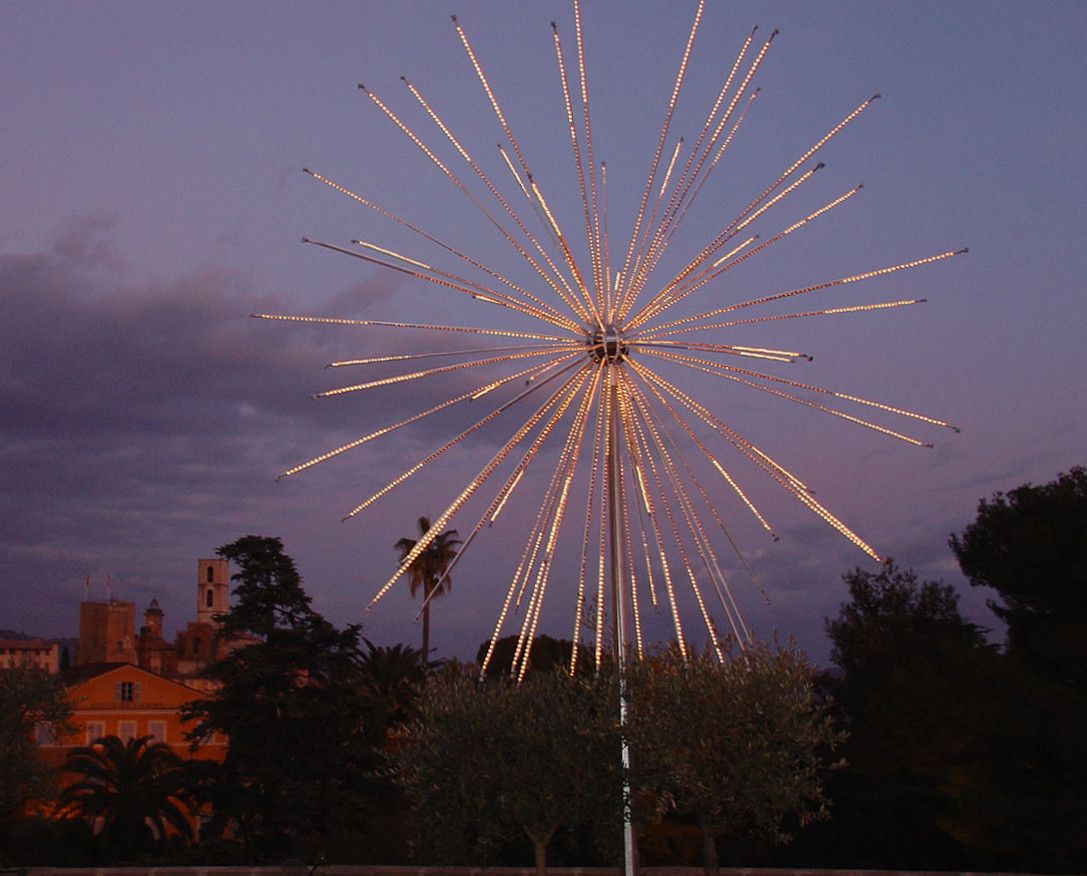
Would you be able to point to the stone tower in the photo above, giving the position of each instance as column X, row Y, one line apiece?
column 212, row 590
column 107, row 632
column 152, row 620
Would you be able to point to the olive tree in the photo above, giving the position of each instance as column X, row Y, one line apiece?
column 488, row 761
column 739, row 746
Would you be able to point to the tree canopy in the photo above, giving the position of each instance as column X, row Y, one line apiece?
column 739, row 747
column 29, row 698
column 1030, row 546
column 487, row 762
column 428, row 569
column 137, row 792
column 290, row 701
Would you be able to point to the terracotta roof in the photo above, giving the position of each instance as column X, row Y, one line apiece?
column 77, row 674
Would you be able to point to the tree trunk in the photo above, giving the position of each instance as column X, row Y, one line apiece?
column 709, row 851
column 540, row 849
column 426, row 635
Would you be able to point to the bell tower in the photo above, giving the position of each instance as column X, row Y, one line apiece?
column 212, row 590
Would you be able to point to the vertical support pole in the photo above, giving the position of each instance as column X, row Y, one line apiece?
column 619, row 626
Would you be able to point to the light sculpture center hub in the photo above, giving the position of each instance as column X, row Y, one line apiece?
column 607, row 344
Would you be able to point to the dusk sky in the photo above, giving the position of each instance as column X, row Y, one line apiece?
column 153, row 198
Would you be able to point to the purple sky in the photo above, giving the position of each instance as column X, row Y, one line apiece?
column 153, row 197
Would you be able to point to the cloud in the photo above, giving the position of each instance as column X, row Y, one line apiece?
column 138, row 413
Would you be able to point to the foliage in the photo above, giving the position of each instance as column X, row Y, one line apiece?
column 428, row 569
column 269, row 595
column 28, row 697
column 290, row 700
column 1030, row 546
column 546, row 655
column 740, row 747
column 488, row 761
column 915, row 676
column 390, row 681
column 135, row 791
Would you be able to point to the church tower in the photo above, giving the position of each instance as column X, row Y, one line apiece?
column 212, row 590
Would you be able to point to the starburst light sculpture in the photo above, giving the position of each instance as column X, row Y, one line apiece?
column 586, row 375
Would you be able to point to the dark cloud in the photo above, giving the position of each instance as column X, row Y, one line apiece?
column 143, row 413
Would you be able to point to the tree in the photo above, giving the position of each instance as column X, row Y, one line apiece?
column 1030, row 547
column 428, row 569
column 29, row 699
column 547, row 654
column 391, row 678
column 740, row 747
column 290, row 701
column 134, row 792
column 488, row 761
column 916, row 678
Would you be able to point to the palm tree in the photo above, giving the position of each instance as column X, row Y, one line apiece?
column 134, row 791
column 390, row 680
column 428, row 569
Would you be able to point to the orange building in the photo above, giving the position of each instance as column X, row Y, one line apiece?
column 119, row 699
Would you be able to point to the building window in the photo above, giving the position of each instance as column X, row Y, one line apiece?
column 211, row 576
column 209, row 597
column 126, row 730
column 196, row 644
column 95, row 731
column 127, row 691
column 157, row 729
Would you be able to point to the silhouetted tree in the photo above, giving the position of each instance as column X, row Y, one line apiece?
column 135, row 792
column 546, row 654
column 1030, row 546
column 290, row 701
column 428, row 569
column 391, row 679
column 29, row 699
column 914, row 677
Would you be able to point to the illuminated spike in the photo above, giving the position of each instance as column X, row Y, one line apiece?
column 665, row 505
column 475, row 330
column 634, row 237
column 594, row 468
column 600, row 247
column 830, row 311
column 570, row 263
column 431, row 372
column 407, row 357
column 721, row 585
column 492, row 296
column 393, row 254
column 455, row 180
column 836, row 394
column 674, row 216
column 714, row 462
column 779, row 473
column 712, row 368
column 854, row 278
column 423, row 543
column 575, row 146
column 558, row 280
column 709, row 274
column 385, row 430
column 513, row 170
column 746, row 353
column 450, row 249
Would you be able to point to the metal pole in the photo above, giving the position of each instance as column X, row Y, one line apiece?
column 619, row 643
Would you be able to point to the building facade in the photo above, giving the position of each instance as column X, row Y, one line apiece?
column 34, row 653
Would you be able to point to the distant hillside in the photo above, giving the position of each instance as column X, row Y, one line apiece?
column 12, row 634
